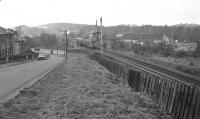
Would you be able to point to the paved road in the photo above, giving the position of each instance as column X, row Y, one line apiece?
column 48, row 51
column 16, row 76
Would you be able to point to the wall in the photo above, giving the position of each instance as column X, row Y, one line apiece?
column 16, row 48
column 6, row 45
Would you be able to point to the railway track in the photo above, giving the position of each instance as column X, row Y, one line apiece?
column 173, row 91
column 164, row 71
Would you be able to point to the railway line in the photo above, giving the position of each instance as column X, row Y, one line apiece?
column 164, row 71
column 173, row 91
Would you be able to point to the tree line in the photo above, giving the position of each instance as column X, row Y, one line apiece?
column 44, row 40
column 49, row 40
column 181, row 32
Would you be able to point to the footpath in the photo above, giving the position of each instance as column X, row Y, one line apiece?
column 4, row 65
column 80, row 89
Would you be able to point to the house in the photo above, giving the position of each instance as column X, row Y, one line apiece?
column 157, row 42
column 140, row 38
column 92, row 36
column 6, row 43
column 19, row 48
column 198, row 46
column 19, row 45
column 188, row 47
column 11, row 44
column 165, row 40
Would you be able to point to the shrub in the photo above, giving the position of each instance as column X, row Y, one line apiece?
column 191, row 63
column 181, row 53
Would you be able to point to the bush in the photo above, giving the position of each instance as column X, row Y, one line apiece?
column 181, row 53
column 191, row 63
column 189, row 70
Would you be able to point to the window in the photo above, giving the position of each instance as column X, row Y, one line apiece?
column 10, row 50
column 4, row 38
column 3, row 52
column 6, row 51
column 1, row 38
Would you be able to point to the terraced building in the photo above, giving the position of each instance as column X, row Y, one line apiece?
column 6, row 43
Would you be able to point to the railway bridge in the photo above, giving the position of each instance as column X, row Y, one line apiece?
column 174, row 92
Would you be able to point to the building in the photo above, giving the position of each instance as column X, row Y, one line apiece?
column 165, row 40
column 19, row 48
column 198, row 47
column 19, row 45
column 187, row 47
column 11, row 45
column 140, row 38
column 6, row 43
column 92, row 36
column 109, row 40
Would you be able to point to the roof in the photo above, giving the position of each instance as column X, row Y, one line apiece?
column 141, row 36
column 19, row 39
column 185, row 44
column 5, row 31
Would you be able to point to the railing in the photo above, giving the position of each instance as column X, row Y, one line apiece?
column 175, row 92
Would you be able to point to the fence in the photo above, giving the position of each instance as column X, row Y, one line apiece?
column 180, row 99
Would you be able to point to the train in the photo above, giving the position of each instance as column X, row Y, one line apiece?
column 90, row 44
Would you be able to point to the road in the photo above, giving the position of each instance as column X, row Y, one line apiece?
column 11, row 78
column 47, row 51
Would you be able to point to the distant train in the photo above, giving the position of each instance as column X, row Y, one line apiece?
column 90, row 44
column 87, row 44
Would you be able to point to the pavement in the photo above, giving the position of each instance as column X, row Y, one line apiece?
column 14, row 77
column 15, row 63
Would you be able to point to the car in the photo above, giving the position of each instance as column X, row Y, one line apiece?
column 43, row 56
column 37, row 49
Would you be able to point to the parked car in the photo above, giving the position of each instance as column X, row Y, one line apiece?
column 43, row 56
column 37, row 49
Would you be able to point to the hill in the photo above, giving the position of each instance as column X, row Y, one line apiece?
column 180, row 32
column 55, row 28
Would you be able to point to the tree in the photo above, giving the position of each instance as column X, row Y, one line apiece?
column 31, row 43
column 48, row 40
column 167, row 51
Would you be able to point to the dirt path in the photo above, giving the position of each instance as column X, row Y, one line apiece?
column 80, row 89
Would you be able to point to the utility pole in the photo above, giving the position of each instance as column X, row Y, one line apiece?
column 66, row 47
column 56, row 43
column 101, row 36
column 96, row 25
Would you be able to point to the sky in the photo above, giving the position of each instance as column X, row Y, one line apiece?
column 113, row 12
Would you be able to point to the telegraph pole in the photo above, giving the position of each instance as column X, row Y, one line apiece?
column 66, row 45
column 101, row 36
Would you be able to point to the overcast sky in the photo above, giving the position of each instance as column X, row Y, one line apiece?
column 114, row 12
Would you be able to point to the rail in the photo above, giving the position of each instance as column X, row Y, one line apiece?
column 174, row 92
column 176, row 75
